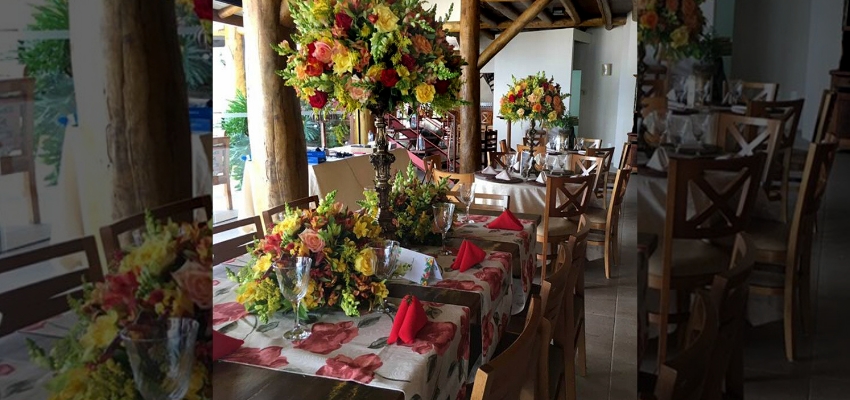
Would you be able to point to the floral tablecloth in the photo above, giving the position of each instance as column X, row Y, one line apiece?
column 434, row 366
column 526, row 239
column 20, row 378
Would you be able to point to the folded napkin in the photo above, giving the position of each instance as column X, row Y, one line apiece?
column 659, row 160
column 541, row 178
column 468, row 255
column 671, row 95
column 223, row 345
column 504, row 175
column 489, row 170
column 409, row 320
column 506, row 221
column 739, row 109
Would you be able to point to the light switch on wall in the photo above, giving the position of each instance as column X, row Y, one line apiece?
column 606, row 69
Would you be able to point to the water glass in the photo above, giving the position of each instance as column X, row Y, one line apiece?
column 385, row 263
column 161, row 355
column 443, row 217
column 293, row 277
column 466, row 195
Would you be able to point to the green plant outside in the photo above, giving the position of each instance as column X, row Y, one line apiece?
column 237, row 130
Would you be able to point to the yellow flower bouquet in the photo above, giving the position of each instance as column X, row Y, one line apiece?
column 534, row 98
column 375, row 54
column 168, row 276
column 342, row 275
column 673, row 27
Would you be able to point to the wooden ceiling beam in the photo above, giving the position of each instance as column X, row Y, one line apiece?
column 228, row 11
column 487, row 20
column 605, row 10
column 454, row 26
column 507, row 11
column 511, row 31
column 571, row 10
column 543, row 16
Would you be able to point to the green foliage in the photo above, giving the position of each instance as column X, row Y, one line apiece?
column 237, row 130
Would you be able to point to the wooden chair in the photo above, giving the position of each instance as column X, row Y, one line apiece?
column 729, row 293
column 777, row 181
column 489, row 202
column 236, row 246
column 541, row 138
column 503, row 146
column 453, row 177
column 783, row 252
column 535, row 150
column 608, row 221
column 745, row 136
column 520, row 372
column 499, row 159
column 658, row 106
column 682, row 378
column 566, row 201
column 624, row 161
column 755, row 91
column 271, row 216
column 587, row 165
column 798, row 157
column 16, row 137
column 607, row 154
column 221, row 167
column 686, row 262
column 431, row 162
column 590, row 143
column 36, row 302
column 128, row 230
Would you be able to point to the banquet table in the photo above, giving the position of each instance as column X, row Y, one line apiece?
column 526, row 197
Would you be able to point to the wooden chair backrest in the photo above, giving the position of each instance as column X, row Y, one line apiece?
column 822, row 125
column 625, row 155
column 17, row 155
column 591, row 143
column 541, row 138
column 503, row 146
column 747, row 135
column 651, row 105
column 431, row 162
column 532, row 150
column 733, row 204
column 618, row 195
column 567, row 197
column 221, row 160
column 453, row 177
column 271, row 216
column 488, row 201
column 788, row 112
column 520, row 371
column 236, row 246
column 498, row 159
column 729, row 293
column 566, row 285
column 758, row 91
column 128, row 230
column 682, row 377
column 489, row 142
column 45, row 299
column 587, row 165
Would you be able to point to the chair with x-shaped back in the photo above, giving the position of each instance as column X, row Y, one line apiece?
column 566, row 201
column 744, row 136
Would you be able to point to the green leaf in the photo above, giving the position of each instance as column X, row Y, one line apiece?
column 366, row 322
column 433, row 313
column 432, row 364
column 436, row 394
column 18, row 387
column 222, row 291
column 382, row 342
column 229, row 327
column 452, row 367
column 268, row 327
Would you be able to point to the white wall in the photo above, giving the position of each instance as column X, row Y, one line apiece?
column 528, row 53
column 607, row 102
column 794, row 43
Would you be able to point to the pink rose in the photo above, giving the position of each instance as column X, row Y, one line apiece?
column 196, row 281
column 311, row 239
column 322, row 52
column 358, row 93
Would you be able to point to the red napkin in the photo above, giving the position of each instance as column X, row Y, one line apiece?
column 468, row 255
column 506, row 221
column 409, row 320
column 223, row 345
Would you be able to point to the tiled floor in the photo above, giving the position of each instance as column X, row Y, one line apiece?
column 822, row 371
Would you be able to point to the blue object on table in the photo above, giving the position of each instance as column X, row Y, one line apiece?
column 315, row 160
column 200, row 119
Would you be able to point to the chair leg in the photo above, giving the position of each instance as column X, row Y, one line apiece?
column 569, row 388
column 789, row 322
column 582, row 351
column 663, row 317
column 805, row 301
column 735, row 371
column 783, row 190
column 608, row 255
column 683, row 306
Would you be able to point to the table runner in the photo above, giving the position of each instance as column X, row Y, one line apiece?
column 20, row 378
column 434, row 366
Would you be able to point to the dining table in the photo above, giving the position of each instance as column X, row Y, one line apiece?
column 527, row 196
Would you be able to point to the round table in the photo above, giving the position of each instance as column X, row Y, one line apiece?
column 526, row 197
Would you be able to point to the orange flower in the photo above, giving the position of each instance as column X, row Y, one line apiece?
column 649, row 19
column 536, row 107
column 548, row 99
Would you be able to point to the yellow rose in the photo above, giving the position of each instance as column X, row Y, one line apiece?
column 344, row 60
column 425, row 93
column 380, row 290
column 101, row 332
column 248, row 294
column 374, row 72
column 552, row 116
column 290, row 224
column 364, row 263
column 387, row 21
column 263, row 264
column 679, row 37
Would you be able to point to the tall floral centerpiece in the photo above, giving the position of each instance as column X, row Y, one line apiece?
column 673, row 27
column 377, row 54
column 534, row 98
column 168, row 276
column 342, row 275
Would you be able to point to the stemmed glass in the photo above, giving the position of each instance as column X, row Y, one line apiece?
column 386, row 262
column 443, row 217
column 161, row 356
column 466, row 195
column 580, row 144
column 293, row 277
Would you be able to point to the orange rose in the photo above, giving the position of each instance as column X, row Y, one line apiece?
column 649, row 19
column 536, row 107
column 196, row 281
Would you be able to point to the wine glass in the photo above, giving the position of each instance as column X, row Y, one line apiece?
column 385, row 264
column 293, row 277
column 466, row 195
column 161, row 355
column 443, row 217
column 580, row 144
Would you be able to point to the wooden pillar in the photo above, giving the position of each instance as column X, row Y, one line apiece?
column 274, row 112
column 236, row 44
column 148, row 134
column 469, row 131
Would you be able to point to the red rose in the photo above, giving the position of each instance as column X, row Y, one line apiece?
column 512, row 98
column 408, row 61
column 649, row 19
column 372, row 18
column 319, row 99
column 441, row 86
column 314, row 67
column 493, row 277
column 520, row 93
column 343, row 21
column 389, row 78
column 268, row 357
column 434, row 335
column 326, row 337
column 227, row 312
column 204, row 9
column 271, row 244
column 361, row 369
